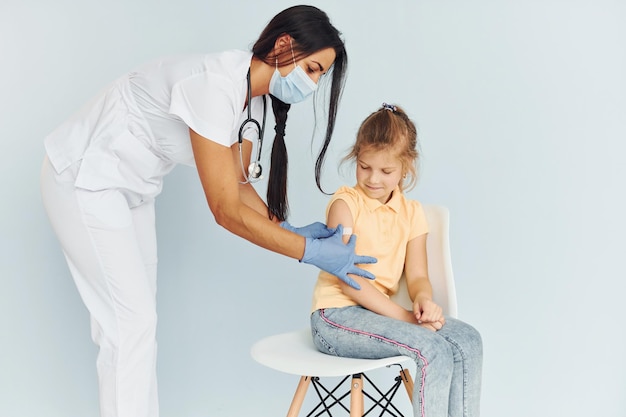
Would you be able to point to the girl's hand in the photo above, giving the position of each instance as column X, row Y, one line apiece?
column 427, row 311
column 434, row 326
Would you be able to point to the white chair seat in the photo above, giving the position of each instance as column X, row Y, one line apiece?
column 294, row 353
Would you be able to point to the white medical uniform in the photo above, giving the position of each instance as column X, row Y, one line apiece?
column 102, row 171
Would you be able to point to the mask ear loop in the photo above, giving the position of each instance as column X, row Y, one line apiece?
column 293, row 56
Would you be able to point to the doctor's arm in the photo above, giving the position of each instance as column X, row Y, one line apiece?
column 237, row 207
column 240, row 211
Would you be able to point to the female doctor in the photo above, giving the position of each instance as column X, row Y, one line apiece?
column 105, row 165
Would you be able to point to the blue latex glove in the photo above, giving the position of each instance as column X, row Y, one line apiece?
column 315, row 230
column 337, row 258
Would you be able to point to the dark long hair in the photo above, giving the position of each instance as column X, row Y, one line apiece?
column 311, row 31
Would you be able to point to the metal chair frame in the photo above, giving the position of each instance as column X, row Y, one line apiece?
column 357, row 392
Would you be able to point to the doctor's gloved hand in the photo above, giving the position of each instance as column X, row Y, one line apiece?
column 337, row 258
column 315, row 230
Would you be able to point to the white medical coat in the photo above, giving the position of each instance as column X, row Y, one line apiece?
column 137, row 129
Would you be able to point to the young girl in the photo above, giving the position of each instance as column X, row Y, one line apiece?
column 367, row 323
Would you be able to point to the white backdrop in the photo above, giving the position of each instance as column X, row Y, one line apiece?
column 521, row 111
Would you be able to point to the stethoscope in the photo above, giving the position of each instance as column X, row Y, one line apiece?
column 254, row 171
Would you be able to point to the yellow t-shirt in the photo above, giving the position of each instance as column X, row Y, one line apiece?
column 383, row 231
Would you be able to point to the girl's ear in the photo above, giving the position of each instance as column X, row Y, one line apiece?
column 401, row 182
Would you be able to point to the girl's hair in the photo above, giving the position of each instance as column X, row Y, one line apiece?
column 311, row 31
column 390, row 128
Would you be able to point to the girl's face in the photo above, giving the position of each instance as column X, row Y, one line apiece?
column 378, row 172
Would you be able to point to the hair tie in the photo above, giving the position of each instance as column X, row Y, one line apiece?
column 390, row 107
column 280, row 129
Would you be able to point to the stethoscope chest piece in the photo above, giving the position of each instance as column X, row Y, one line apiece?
column 255, row 170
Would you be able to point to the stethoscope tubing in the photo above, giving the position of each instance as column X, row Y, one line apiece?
column 253, row 173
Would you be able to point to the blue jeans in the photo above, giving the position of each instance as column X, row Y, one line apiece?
column 449, row 361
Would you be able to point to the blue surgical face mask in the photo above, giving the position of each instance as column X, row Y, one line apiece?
column 294, row 87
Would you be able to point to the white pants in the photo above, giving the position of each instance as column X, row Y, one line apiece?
column 111, row 252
